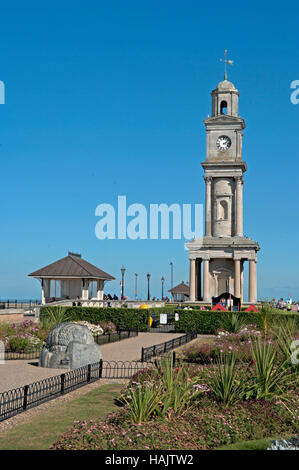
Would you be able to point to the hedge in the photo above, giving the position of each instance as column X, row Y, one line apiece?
column 123, row 318
column 202, row 321
column 208, row 322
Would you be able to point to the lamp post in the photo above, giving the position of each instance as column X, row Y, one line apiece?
column 123, row 270
column 148, row 286
column 136, row 276
column 162, row 280
column 171, row 273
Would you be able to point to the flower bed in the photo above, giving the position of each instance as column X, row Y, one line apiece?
column 21, row 340
column 23, row 337
column 248, row 390
column 203, row 423
column 224, row 343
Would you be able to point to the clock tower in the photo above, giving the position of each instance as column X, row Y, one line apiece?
column 217, row 260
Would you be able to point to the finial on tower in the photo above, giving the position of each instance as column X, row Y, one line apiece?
column 226, row 61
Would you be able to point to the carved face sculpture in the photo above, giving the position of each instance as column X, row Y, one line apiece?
column 69, row 346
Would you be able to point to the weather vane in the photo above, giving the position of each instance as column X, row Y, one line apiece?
column 230, row 62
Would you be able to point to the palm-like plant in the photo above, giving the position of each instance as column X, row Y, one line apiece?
column 176, row 390
column 142, row 402
column 271, row 379
column 224, row 384
column 53, row 316
column 266, row 310
column 236, row 323
column 284, row 333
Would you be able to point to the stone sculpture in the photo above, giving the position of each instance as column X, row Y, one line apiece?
column 69, row 346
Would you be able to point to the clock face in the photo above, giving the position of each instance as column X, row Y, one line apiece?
column 223, row 142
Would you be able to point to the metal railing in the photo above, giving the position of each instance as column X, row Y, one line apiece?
column 163, row 348
column 34, row 353
column 5, row 304
column 118, row 335
column 23, row 398
column 169, row 328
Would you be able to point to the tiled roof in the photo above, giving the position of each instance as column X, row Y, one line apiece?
column 71, row 266
column 181, row 288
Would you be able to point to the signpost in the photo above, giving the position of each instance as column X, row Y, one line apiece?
column 163, row 318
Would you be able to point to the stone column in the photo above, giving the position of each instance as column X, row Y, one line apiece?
column 100, row 289
column 252, row 282
column 85, row 289
column 47, row 290
column 206, row 280
column 239, row 206
column 192, row 280
column 43, row 292
column 198, row 279
column 237, row 278
column 242, row 281
column 208, row 215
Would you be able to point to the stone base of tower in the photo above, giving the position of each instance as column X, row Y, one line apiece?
column 217, row 266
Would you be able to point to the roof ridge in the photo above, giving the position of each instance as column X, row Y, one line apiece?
column 83, row 267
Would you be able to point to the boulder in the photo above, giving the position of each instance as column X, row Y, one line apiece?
column 69, row 346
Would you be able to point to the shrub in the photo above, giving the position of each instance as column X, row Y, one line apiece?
column 123, row 318
column 23, row 337
column 208, row 322
column 107, row 327
column 18, row 344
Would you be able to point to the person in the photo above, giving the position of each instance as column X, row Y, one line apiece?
column 78, row 301
column 289, row 307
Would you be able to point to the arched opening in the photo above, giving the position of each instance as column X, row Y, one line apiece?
column 223, row 210
column 223, row 107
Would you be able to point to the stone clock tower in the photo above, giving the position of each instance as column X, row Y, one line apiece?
column 218, row 258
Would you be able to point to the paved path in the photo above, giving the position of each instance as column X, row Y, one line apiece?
column 130, row 349
column 14, row 374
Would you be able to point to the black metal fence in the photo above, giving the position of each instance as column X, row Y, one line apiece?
column 4, row 304
column 34, row 353
column 159, row 328
column 21, row 399
column 116, row 336
column 163, row 348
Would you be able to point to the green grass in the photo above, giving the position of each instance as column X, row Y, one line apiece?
column 42, row 430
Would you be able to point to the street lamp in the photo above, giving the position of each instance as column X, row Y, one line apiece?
column 136, row 276
column 171, row 273
column 123, row 270
column 162, row 280
column 148, row 286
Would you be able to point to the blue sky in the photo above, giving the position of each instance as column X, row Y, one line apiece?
column 108, row 98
